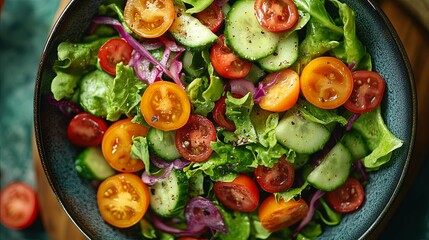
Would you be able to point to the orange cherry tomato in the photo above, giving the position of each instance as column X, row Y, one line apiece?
column 149, row 18
column 275, row 216
column 165, row 105
column 241, row 195
column 276, row 15
column 348, row 197
column 326, row 82
column 123, row 199
column 117, row 142
column 283, row 94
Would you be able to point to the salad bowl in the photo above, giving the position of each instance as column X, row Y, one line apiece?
column 77, row 196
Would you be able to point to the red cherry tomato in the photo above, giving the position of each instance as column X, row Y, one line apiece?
column 368, row 91
column 220, row 117
column 279, row 178
column 18, row 206
column 241, row 195
column 112, row 52
column 226, row 63
column 86, row 130
column 348, row 197
column 276, row 15
column 212, row 17
column 193, row 139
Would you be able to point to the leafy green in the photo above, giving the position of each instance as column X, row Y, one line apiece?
column 94, row 90
column 203, row 94
column 265, row 123
column 197, row 5
column 322, row 116
column 378, row 137
column 140, row 150
column 238, row 225
column 238, row 110
column 327, row 215
column 291, row 193
column 124, row 94
column 74, row 61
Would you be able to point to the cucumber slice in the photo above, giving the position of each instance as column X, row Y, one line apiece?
column 190, row 32
column 246, row 37
column 300, row 134
column 162, row 144
column 356, row 145
column 90, row 164
column 284, row 56
column 334, row 169
column 168, row 196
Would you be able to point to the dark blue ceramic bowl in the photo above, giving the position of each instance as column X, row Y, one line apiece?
column 78, row 198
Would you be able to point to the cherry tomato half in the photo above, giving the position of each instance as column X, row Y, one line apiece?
column 275, row 216
column 117, row 142
column 283, row 94
column 112, row 52
column 226, row 62
column 165, row 105
column 18, row 206
column 326, row 82
column 368, row 91
column 149, row 18
column 241, row 195
column 276, row 15
column 348, row 197
column 86, row 130
column 220, row 117
column 123, row 199
column 193, row 140
column 279, row 178
column 212, row 17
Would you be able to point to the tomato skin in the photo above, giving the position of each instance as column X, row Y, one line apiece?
column 123, row 199
column 220, row 117
column 226, row 62
column 284, row 94
column 117, row 142
column 86, row 130
column 112, row 52
column 368, row 91
column 275, row 216
column 326, row 82
column 212, row 17
column 149, row 19
column 279, row 178
column 19, row 206
column 276, row 15
column 193, row 140
column 348, row 197
column 165, row 105
column 241, row 195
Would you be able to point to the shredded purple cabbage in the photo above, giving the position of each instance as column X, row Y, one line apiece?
column 138, row 47
column 68, row 108
column 200, row 213
column 314, row 202
column 241, row 86
column 351, row 120
column 359, row 167
column 152, row 179
column 167, row 168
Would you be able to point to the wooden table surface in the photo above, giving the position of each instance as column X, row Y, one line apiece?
column 415, row 39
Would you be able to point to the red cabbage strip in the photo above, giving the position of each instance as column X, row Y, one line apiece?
column 137, row 46
column 359, row 167
column 262, row 89
column 68, row 108
column 167, row 168
column 199, row 214
column 142, row 68
column 312, row 208
column 351, row 120
column 241, row 86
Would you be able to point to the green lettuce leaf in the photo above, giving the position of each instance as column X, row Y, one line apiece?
column 197, row 5
column 203, row 94
column 322, row 116
column 265, row 123
column 238, row 224
column 94, row 90
column 125, row 93
column 140, row 150
column 378, row 137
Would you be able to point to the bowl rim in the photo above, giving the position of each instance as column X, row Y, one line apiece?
column 374, row 228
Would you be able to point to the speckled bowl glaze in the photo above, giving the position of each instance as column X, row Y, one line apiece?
column 77, row 196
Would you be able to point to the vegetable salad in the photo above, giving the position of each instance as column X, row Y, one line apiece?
column 216, row 119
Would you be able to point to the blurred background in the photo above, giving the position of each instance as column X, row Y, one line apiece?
column 24, row 27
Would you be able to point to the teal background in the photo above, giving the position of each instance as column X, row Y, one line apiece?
column 24, row 27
